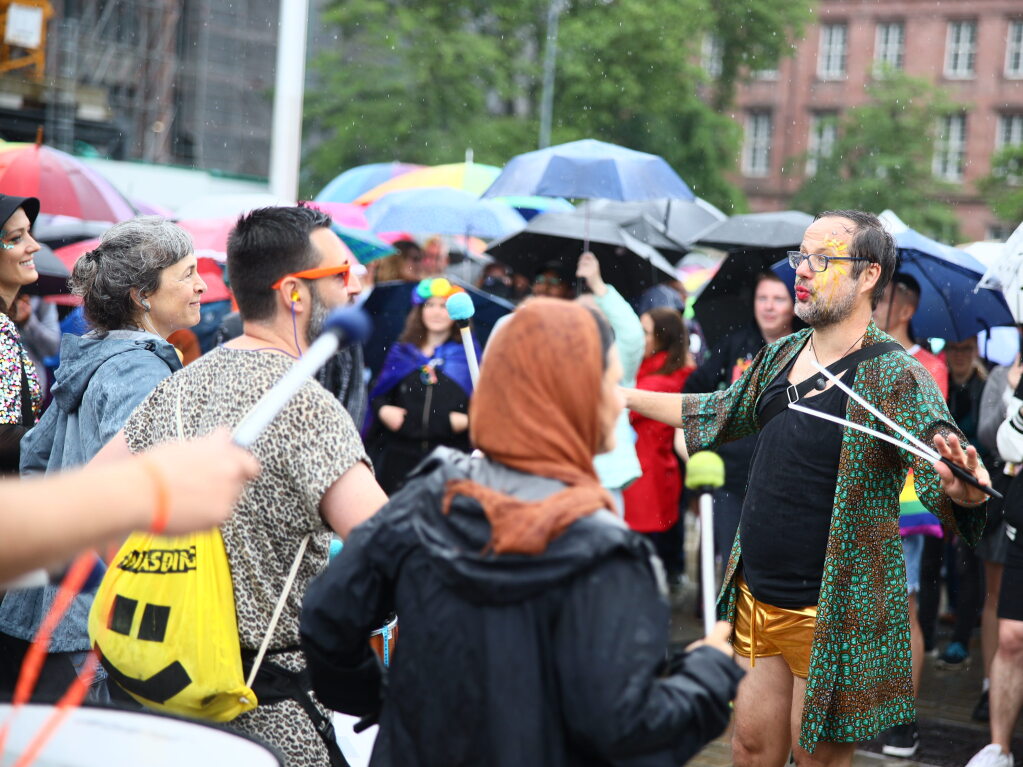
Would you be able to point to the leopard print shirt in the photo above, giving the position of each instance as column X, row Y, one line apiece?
column 306, row 448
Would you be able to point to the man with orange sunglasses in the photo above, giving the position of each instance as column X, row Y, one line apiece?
column 288, row 270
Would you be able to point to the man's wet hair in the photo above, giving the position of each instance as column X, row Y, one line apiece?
column 870, row 241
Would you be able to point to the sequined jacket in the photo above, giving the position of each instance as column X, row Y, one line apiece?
column 859, row 679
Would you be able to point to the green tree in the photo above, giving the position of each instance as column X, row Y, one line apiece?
column 422, row 81
column 1003, row 186
column 883, row 158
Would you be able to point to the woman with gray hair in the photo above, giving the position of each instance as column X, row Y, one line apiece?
column 138, row 286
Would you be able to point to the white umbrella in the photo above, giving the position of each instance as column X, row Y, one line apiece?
column 1006, row 274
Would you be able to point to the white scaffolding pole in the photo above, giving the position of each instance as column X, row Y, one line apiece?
column 289, row 89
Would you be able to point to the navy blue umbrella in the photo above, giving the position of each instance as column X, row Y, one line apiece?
column 949, row 307
column 389, row 304
column 590, row 169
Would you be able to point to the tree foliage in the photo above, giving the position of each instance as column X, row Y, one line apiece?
column 422, row 81
column 883, row 158
column 1003, row 186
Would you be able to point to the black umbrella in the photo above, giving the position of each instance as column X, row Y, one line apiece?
column 53, row 274
column 783, row 229
column 726, row 302
column 671, row 226
column 625, row 262
column 389, row 303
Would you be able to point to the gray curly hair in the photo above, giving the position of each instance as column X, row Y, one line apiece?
column 130, row 256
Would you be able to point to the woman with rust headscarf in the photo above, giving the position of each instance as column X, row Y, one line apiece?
column 534, row 624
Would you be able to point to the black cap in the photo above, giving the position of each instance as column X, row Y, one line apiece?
column 9, row 204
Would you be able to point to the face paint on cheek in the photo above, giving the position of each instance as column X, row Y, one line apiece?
column 831, row 281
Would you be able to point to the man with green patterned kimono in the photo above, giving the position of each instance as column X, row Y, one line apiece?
column 816, row 585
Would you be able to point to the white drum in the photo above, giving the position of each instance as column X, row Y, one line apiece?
column 107, row 737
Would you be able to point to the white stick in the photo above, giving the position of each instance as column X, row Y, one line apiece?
column 708, row 586
column 470, row 355
column 886, row 437
column 271, row 403
column 881, row 416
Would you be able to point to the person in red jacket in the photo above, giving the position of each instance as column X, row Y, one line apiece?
column 651, row 502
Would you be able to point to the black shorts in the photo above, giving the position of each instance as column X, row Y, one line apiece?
column 1010, row 598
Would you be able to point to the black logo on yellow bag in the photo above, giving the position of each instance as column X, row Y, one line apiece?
column 159, row 561
column 165, row 683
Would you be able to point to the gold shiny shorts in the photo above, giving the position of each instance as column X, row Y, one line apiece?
column 761, row 631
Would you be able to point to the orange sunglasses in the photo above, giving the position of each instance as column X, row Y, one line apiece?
column 315, row 274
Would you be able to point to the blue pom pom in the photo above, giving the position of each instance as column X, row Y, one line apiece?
column 460, row 307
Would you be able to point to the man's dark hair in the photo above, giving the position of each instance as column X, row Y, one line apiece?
column 872, row 242
column 906, row 285
column 265, row 245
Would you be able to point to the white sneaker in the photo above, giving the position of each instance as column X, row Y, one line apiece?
column 991, row 756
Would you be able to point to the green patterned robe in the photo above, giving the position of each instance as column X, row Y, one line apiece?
column 859, row 680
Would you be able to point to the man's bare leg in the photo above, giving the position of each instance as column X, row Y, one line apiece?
column 916, row 644
column 825, row 754
column 989, row 616
column 760, row 736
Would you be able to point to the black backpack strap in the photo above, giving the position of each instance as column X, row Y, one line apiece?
column 796, row 392
column 274, row 684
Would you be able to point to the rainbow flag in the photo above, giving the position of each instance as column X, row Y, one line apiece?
column 913, row 515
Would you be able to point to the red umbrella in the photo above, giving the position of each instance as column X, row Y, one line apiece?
column 63, row 184
column 212, row 274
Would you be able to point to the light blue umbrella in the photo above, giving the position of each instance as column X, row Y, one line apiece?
column 442, row 210
column 364, row 245
column 354, row 181
column 590, row 169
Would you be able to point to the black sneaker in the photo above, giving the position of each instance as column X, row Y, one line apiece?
column 981, row 713
column 902, row 740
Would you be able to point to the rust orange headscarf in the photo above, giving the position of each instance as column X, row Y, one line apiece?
column 537, row 410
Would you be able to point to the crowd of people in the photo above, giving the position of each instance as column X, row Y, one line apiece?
column 527, row 530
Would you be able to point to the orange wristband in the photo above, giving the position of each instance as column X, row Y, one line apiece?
column 162, row 511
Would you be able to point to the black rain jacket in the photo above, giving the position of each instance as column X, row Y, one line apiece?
column 504, row 661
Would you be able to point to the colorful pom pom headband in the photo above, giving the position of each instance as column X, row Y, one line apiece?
column 434, row 288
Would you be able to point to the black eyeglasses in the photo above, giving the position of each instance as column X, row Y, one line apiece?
column 818, row 261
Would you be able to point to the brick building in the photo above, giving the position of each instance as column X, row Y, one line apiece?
column 972, row 49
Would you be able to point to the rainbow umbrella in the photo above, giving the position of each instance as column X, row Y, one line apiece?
column 467, row 176
column 354, row 181
column 64, row 184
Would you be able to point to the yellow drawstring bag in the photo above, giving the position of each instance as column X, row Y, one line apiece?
column 164, row 624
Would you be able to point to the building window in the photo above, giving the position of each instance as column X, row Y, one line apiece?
column 765, row 74
column 831, row 58
column 821, row 145
column 998, row 232
column 711, row 53
column 890, row 45
column 950, row 148
column 756, row 154
column 961, row 49
column 1010, row 131
column 1014, row 50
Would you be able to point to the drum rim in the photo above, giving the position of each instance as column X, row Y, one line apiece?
column 390, row 626
column 117, row 707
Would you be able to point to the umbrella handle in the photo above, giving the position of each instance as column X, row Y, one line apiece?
column 707, row 580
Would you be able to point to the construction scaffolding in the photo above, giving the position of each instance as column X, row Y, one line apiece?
column 173, row 81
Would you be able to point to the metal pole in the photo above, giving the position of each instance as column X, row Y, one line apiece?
column 550, row 59
column 289, row 88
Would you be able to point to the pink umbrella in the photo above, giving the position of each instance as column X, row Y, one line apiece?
column 343, row 213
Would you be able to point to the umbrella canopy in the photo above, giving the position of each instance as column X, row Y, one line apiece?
column 625, row 262
column 680, row 221
column 443, row 211
column 209, row 267
column 388, row 303
column 354, row 181
column 365, row 246
column 590, row 169
column 725, row 304
column 950, row 306
column 64, row 185
column 531, row 205
column 467, row 176
column 227, row 205
column 58, row 231
column 781, row 230
column 1005, row 273
column 53, row 274
column 344, row 213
